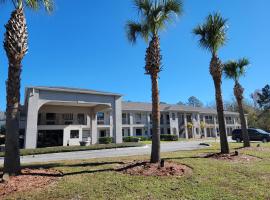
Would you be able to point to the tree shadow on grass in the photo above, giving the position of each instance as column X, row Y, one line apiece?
column 62, row 174
column 186, row 157
column 83, row 164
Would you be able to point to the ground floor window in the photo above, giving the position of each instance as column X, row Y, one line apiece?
column 168, row 131
column 86, row 135
column 74, row 134
column 102, row 133
column 125, row 132
column 138, row 132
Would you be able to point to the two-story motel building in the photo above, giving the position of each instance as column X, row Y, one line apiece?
column 59, row 116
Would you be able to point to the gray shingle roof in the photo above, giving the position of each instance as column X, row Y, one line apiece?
column 77, row 90
column 140, row 106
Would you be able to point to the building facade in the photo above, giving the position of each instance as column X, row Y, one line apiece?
column 57, row 116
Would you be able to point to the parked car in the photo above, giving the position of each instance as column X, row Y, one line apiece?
column 254, row 135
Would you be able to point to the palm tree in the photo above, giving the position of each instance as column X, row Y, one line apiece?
column 234, row 70
column 16, row 46
column 155, row 14
column 212, row 37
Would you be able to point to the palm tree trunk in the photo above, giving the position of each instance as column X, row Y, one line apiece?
column 12, row 154
column 238, row 92
column 152, row 67
column 155, row 153
column 15, row 44
column 216, row 72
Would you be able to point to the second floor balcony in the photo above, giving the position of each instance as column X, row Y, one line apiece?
column 62, row 119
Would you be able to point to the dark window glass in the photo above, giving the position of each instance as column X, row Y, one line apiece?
column 138, row 132
column 81, row 119
column 74, row 134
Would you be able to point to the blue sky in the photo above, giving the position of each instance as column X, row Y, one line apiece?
column 84, row 45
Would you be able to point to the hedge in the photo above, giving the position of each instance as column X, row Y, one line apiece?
column 167, row 137
column 135, row 139
column 105, row 140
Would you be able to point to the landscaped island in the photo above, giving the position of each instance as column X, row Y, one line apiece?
column 210, row 178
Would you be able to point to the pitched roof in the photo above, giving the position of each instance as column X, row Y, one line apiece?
column 140, row 106
column 74, row 90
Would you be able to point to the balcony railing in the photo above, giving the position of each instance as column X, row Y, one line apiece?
column 209, row 121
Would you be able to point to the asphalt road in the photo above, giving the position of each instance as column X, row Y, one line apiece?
column 132, row 151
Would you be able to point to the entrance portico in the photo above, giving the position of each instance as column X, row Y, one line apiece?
column 71, row 110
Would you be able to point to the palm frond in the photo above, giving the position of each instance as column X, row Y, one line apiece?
column 143, row 6
column 154, row 16
column 33, row 4
column 212, row 33
column 230, row 70
column 235, row 69
column 134, row 30
column 173, row 6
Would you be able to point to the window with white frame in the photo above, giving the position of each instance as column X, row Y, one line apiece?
column 74, row 134
column 138, row 118
column 100, row 118
column 125, row 118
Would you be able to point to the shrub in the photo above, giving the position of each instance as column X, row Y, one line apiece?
column 167, row 137
column 105, row 140
column 131, row 139
column 143, row 138
column 135, row 139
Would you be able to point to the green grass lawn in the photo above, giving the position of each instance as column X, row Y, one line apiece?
column 25, row 152
column 211, row 179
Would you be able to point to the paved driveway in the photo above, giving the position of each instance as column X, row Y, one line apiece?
column 132, row 151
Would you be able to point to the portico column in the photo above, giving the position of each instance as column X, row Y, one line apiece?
column 117, row 120
column 234, row 123
column 177, row 124
column 186, row 128
column 111, row 125
column 131, row 124
column 31, row 130
column 199, row 124
column 204, row 129
column 148, row 124
column 215, row 126
column 94, row 132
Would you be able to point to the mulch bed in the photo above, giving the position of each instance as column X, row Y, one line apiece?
column 28, row 180
column 144, row 168
column 233, row 157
